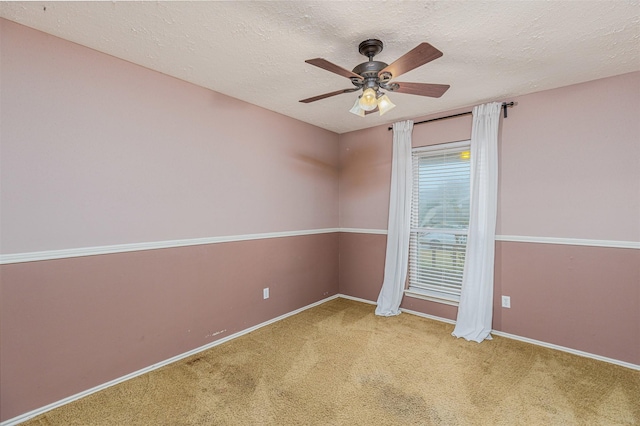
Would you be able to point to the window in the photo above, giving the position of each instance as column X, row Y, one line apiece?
column 439, row 221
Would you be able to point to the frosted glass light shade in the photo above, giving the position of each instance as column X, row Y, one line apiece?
column 368, row 100
column 356, row 108
column 385, row 104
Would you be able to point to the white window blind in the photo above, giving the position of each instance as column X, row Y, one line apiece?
column 439, row 220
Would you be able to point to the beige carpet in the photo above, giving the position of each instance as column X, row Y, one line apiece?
column 339, row 364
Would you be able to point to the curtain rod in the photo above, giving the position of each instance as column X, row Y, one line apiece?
column 505, row 105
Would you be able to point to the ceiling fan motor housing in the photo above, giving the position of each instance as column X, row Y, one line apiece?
column 369, row 69
column 369, row 72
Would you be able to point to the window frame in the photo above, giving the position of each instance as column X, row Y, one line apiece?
column 432, row 295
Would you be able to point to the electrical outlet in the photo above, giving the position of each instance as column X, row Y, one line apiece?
column 506, row 301
column 265, row 293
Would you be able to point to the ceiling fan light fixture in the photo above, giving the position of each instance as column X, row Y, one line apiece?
column 356, row 109
column 385, row 104
column 368, row 101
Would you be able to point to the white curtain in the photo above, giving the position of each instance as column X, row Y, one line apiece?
column 399, row 228
column 475, row 311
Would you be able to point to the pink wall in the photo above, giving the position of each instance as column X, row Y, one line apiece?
column 569, row 168
column 71, row 324
column 365, row 170
column 580, row 297
column 361, row 264
column 571, row 162
column 98, row 151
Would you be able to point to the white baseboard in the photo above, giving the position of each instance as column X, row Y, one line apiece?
column 513, row 336
column 432, row 317
column 31, row 414
column 357, row 299
column 26, row 416
column 568, row 350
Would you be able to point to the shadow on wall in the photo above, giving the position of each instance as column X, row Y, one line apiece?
column 311, row 165
column 219, row 101
column 366, row 168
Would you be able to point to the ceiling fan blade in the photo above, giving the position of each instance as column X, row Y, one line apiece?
column 327, row 95
column 422, row 89
column 326, row 65
column 414, row 58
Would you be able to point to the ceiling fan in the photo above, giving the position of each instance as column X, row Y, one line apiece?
column 374, row 76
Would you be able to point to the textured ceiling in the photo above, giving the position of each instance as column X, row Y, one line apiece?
column 255, row 51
